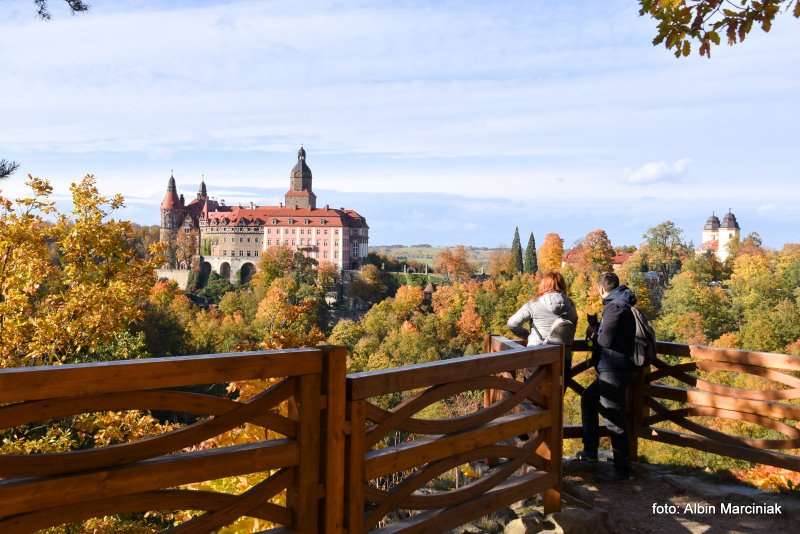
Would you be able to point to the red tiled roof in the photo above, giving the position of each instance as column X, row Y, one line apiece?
column 334, row 217
column 621, row 258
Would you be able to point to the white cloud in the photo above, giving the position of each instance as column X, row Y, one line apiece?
column 657, row 171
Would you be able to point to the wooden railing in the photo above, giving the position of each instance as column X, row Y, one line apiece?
column 683, row 383
column 395, row 458
column 151, row 474
column 421, row 448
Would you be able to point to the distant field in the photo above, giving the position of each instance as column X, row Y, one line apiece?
column 427, row 254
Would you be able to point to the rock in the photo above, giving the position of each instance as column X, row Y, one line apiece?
column 574, row 520
column 531, row 524
column 579, row 492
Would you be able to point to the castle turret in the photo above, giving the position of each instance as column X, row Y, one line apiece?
column 300, row 194
column 171, row 209
column 728, row 233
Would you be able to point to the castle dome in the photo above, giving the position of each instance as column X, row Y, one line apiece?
column 712, row 223
column 729, row 221
column 301, row 170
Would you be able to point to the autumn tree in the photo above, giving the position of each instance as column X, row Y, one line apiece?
column 531, row 264
column 595, row 253
column 500, row 263
column 551, row 253
column 68, row 287
column 454, row 263
column 516, row 252
column 705, row 22
column 665, row 249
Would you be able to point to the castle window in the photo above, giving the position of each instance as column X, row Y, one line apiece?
column 248, row 252
column 307, row 221
column 274, row 221
column 291, row 221
column 317, row 231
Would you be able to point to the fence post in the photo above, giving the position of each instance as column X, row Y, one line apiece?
column 306, row 481
column 332, row 451
column 552, row 496
column 355, row 468
column 638, row 408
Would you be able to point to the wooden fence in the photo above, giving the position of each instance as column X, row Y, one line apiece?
column 421, row 448
column 42, row 490
column 683, row 384
column 393, row 457
column 304, row 406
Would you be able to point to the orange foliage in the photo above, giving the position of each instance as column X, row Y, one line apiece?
column 455, row 263
column 551, row 253
column 470, row 324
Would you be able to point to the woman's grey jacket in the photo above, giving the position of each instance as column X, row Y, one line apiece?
column 543, row 312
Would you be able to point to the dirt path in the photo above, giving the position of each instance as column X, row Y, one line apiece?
column 629, row 505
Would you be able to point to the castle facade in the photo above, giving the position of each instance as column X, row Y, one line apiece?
column 229, row 239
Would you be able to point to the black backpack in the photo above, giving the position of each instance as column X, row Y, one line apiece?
column 645, row 346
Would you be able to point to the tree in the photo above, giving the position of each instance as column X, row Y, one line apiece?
column 681, row 22
column 595, row 252
column 68, row 288
column 665, row 248
column 7, row 168
column 500, row 262
column 75, row 6
column 551, row 254
column 516, row 252
column 531, row 264
column 454, row 262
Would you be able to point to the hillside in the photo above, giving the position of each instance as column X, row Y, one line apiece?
column 426, row 254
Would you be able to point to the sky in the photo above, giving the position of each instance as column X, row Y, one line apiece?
column 441, row 122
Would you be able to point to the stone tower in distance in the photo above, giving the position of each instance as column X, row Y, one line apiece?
column 300, row 194
column 171, row 207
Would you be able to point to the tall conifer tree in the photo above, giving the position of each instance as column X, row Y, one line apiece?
column 531, row 263
column 516, row 252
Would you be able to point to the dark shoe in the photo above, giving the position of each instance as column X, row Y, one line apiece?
column 583, row 456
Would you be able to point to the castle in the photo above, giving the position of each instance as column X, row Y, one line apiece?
column 718, row 236
column 229, row 239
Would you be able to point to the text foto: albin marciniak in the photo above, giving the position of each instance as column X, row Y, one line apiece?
column 725, row 508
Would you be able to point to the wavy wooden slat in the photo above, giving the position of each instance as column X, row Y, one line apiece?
column 163, row 500
column 407, row 455
column 238, row 507
column 504, row 494
column 400, row 418
column 402, row 497
column 702, row 443
column 676, row 372
column 770, row 374
column 704, row 398
column 410, row 377
column 38, row 383
column 769, row 360
column 75, row 461
column 679, row 416
column 28, row 494
column 175, row 401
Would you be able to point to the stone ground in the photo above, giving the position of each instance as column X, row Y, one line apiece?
column 593, row 506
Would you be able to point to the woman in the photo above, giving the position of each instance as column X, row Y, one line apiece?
column 552, row 315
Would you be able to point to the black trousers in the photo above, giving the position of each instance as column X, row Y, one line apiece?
column 610, row 392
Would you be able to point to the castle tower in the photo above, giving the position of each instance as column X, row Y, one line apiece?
column 300, row 194
column 729, row 232
column 711, row 232
column 171, row 207
column 202, row 193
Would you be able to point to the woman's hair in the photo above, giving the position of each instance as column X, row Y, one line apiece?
column 552, row 282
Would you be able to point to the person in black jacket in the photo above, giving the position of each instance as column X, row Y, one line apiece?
column 613, row 348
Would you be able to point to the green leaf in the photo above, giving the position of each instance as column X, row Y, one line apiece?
column 687, row 48
column 713, row 36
